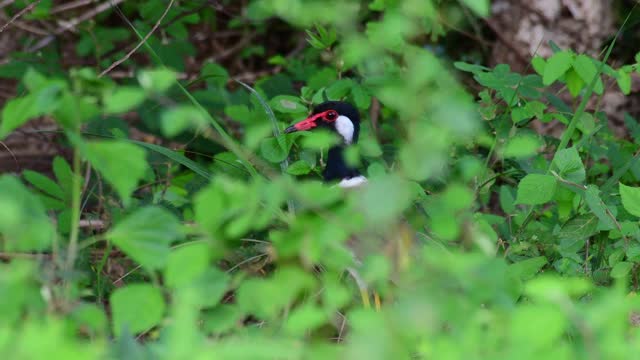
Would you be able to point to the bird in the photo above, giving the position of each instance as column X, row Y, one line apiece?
column 343, row 119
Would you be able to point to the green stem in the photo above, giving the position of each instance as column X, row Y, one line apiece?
column 227, row 140
column 76, row 198
column 619, row 172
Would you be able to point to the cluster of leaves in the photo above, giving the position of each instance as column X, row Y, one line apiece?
column 476, row 231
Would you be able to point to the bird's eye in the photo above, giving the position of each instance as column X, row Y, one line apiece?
column 331, row 115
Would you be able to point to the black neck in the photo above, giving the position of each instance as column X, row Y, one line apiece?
column 337, row 168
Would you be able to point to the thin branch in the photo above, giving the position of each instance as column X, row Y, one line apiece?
column 71, row 5
column 20, row 14
column 144, row 40
column 12, row 155
column 71, row 24
column 6, row 3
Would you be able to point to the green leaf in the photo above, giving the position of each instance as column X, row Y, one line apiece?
column 186, row 264
column 24, row 224
column 287, row 104
column 157, row 80
column 121, row 164
column 598, row 208
column 621, row 269
column 624, row 81
column 64, row 174
column 43, row 183
column 507, row 202
column 587, row 70
column 339, row 89
column 521, row 146
column 536, row 189
column 272, row 151
column 146, row 234
column 306, row 318
column 177, row 157
column 580, row 227
column 387, row 196
column 136, row 308
column 480, row 7
column 123, row 99
column 527, row 269
column 299, row 167
column 361, row 97
column 18, row 110
column 569, row 166
column 574, row 82
column 181, row 118
column 539, row 64
column 240, row 113
column 630, row 199
column 556, row 66
column 214, row 74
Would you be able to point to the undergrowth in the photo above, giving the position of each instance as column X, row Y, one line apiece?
column 483, row 238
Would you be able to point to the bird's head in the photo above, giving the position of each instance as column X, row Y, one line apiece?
column 337, row 116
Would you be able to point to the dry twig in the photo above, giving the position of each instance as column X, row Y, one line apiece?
column 19, row 14
column 144, row 40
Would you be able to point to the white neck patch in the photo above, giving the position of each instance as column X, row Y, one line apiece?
column 352, row 182
column 344, row 126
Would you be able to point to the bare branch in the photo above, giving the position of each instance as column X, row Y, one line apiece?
column 19, row 14
column 120, row 61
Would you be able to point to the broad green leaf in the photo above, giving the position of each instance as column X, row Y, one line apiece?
column 64, row 174
column 306, row 318
column 521, row 146
column 287, row 104
column 177, row 157
column 136, row 308
column 536, row 189
column 569, row 165
column 19, row 110
column 123, row 99
column 339, row 89
column 556, row 66
column 528, row 320
column 539, row 63
column 598, row 208
column 214, row 74
column 527, row 269
column 181, row 118
column 299, row 167
column 624, row 81
column 121, row 164
column 187, row 263
column 507, row 201
column 386, row 197
column 157, row 80
column 630, row 199
column 272, row 151
column 24, row 224
column 621, row 269
column 240, row 113
column 587, row 70
column 91, row 316
column 578, row 228
column 146, row 234
column 574, row 82
column 472, row 68
column 43, row 183
column 361, row 97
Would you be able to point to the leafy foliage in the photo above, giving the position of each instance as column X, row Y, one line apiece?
column 475, row 230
